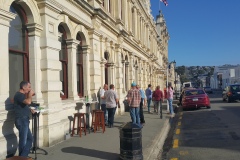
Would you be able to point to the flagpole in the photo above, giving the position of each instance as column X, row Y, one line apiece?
column 159, row 5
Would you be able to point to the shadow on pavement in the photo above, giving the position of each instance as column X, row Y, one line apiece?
column 91, row 153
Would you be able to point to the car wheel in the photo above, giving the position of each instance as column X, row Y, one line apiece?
column 208, row 107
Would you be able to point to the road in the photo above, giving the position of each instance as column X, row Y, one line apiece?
column 205, row 134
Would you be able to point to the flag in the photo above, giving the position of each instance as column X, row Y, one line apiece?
column 165, row 2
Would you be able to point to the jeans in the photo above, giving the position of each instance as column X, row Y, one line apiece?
column 148, row 103
column 134, row 113
column 104, row 109
column 111, row 113
column 170, row 106
column 25, row 136
column 141, row 111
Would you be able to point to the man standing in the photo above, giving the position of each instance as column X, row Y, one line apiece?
column 22, row 99
column 149, row 97
column 134, row 99
column 111, row 104
column 158, row 96
column 143, row 102
column 103, row 102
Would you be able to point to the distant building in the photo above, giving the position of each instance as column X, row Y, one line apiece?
column 225, row 75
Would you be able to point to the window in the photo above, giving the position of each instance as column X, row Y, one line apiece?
column 106, row 67
column 18, row 49
column 63, row 58
column 80, row 85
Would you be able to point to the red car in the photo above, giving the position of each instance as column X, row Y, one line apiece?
column 195, row 98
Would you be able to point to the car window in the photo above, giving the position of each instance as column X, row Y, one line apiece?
column 235, row 88
column 194, row 92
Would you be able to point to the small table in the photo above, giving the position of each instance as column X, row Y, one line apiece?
column 35, row 129
column 88, row 111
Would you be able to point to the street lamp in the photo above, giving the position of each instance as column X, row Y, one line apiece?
column 169, row 67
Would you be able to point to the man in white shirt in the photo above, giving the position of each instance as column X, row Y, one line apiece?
column 111, row 104
column 103, row 102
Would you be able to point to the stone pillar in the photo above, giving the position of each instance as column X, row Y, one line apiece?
column 106, row 5
column 127, row 87
column 119, row 73
column 125, row 13
column 130, row 17
column 102, row 64
column 35, row 60
column 5, row 18
column 131, row 70
column 86, row 70
column 72, row 68
column 124, row 74
column 118, row 9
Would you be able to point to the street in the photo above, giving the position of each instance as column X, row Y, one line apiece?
column 205, row 134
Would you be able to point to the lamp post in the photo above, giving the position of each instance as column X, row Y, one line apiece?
column 169, row 67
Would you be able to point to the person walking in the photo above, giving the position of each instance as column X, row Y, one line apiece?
column 22, row 100
column 148, row 92
column 103, row 102
column 170, row 99
column 158, row 97
column 142, row 103
column 134, row 99
column 111, row 104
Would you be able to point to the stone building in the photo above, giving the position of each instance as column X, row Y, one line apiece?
column 74, row 47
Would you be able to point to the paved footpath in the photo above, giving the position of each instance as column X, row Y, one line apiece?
column 96, row 146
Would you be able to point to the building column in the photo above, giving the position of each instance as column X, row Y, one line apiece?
column 124, row 74
column 130, row 17
column 72, row 68
column 86, row 70
column 127, row 76
column 131, row 70
column 5, row 19
column 35, row 60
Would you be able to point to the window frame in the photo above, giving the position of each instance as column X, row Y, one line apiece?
column 64, row 62
column 25, row 52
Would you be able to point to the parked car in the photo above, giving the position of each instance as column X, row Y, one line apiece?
column 195, row 98
column 231, row 93
column 208, row 89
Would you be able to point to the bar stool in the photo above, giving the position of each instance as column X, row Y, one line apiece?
column 94, row 116
column 19, row 158
column 99, row 121
column 79, row 128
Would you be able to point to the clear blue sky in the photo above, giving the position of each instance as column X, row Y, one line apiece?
column 202, row 32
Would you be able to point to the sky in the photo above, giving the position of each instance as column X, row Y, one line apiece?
column 202, row 32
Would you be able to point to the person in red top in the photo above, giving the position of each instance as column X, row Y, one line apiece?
column 158, row 98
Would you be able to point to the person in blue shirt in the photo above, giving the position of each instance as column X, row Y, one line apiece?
column 149, row 96
column 22, row 100
column 142, row 103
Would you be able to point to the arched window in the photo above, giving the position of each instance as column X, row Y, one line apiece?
column 80, row 85
column 18, row 49
column 63, row 58
column 106, row 56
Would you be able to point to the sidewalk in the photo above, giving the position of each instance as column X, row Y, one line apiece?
column 96, row 146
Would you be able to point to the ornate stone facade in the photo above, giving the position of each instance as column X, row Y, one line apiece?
column 74, row 46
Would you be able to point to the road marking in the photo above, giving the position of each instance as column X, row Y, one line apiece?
column 179, row 123
column 175, row 143
column 178, row 131
column 174, row 158
column 180, row 117
column 181, row 113
column 183, row 153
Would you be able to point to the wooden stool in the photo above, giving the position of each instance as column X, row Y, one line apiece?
column 79, row 128
column 19, row 158
column 93, row 116
column 99, row 121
